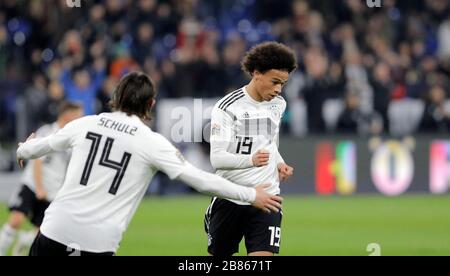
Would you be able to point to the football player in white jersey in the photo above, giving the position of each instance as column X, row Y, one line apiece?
column 245, row 126
column 41, row 181
column 114, row 157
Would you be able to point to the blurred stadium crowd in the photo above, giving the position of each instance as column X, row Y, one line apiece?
column 361, row 70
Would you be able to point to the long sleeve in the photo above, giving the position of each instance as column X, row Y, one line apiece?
column 215, row 185
column 166, row 158
column 278, row 156
column 34, row 148
column 221, row 137
column 60, row 141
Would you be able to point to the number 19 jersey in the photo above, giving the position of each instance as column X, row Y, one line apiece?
column 240, row 126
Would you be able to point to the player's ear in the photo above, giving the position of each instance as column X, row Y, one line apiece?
column 152, row 103
column 257, row 75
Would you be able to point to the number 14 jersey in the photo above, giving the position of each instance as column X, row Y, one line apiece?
column 114, row 157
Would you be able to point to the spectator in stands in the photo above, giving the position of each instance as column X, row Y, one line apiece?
column 36, row 97
column 436, row 117
column 349, row 119
column 193, row 48
column 84, row 86
column 381, row 83
column 319, row 86
column 5, row 49
column 354, row 121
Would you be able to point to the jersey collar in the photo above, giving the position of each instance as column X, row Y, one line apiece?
column 123, row 114
column 250, row 97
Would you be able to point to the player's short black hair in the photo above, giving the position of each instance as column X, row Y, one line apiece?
column 267, row 56
column 68, row 106
column 133, row 95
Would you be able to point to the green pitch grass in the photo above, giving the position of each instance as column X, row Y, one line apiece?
column 408, row 225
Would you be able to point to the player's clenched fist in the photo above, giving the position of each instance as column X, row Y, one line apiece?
column 261, row 158
column 285, row 171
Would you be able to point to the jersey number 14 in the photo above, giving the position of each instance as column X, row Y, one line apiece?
column 119, row 167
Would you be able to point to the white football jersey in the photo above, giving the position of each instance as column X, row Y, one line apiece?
column 53, row 166
column 240, row 126
column 114, row 157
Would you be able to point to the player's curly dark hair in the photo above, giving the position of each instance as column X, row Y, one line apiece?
column 133, row 95
column 267, row 56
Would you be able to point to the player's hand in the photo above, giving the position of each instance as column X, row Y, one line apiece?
column 285, row 171
column 267, row 202
column 41, row 194
column 261, row 158
column 19, row 160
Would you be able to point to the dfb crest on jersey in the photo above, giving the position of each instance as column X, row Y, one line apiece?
column 275, row 111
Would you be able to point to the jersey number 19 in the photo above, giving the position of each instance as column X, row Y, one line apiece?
column 244, row 145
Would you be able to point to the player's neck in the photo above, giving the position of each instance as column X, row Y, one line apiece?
column 251, row 90
column 60, row 123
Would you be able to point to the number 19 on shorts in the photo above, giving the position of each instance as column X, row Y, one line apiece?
column 275, row 235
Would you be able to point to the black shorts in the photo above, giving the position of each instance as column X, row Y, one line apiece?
column 25, row 201
column 43, row 246
column 226, row 223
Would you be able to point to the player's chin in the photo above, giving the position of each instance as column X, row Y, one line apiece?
column 270, row 97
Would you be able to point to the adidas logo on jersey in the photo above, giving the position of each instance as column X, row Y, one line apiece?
column 246, row 115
